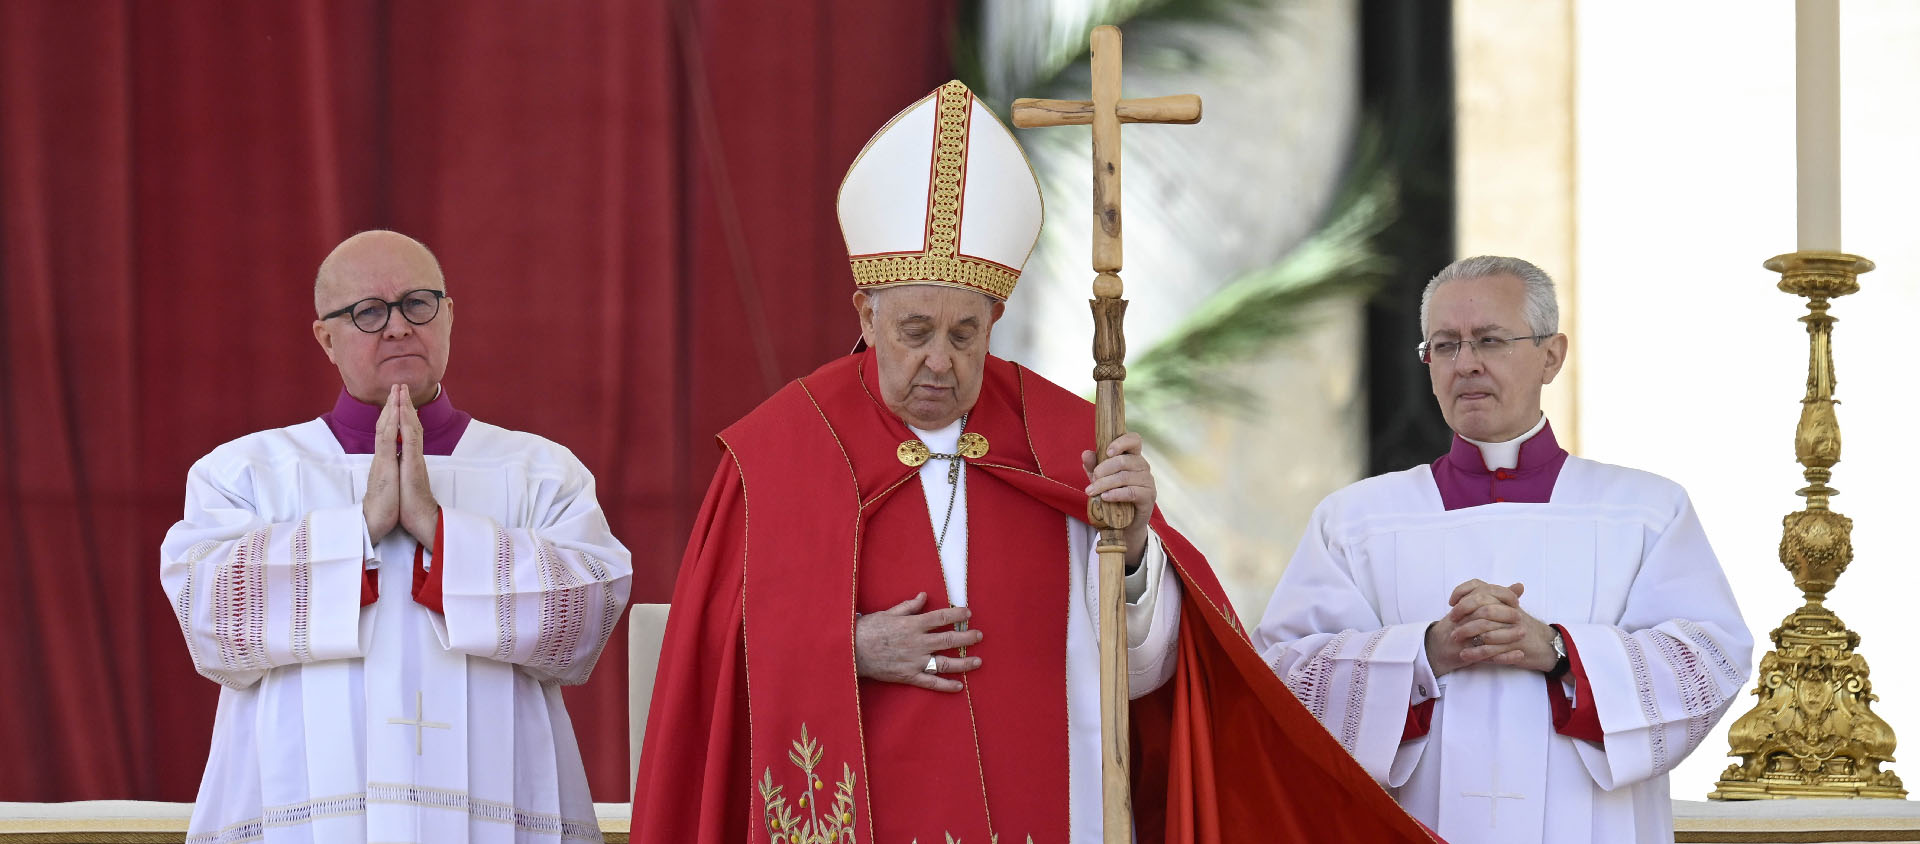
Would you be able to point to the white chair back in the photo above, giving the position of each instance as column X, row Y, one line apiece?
column 646, row 628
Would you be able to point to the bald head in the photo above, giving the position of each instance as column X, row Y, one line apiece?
column 377, row 256
column 384, row 266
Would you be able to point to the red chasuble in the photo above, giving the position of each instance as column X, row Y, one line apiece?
column 761, row 731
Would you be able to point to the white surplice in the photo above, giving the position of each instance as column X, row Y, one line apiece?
column 343, row 724
column 1153, row 624
column 1617, row 557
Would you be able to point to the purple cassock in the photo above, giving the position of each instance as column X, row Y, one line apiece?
column 1465, row 480
column 352, row 422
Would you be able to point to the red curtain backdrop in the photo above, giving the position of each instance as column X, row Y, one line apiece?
column 633, row 203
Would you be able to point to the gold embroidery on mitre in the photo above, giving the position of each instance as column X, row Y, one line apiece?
column 913, row 452
column 942, row 262
column 949, row 169
column 972, row 273
column 813, row 824
column 973, row 446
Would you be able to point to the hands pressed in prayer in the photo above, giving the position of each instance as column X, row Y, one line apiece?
column 894, row 644
column 398, row 491
column 419, row 511
column 381, row 505
column 1124, row 476
column 1486, row 624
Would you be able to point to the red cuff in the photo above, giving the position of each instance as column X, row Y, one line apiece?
column 369, row 586
column 1419, row 720
column 426, row 584
column 1578, row 718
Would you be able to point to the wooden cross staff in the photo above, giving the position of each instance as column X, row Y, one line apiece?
column 1106, row 112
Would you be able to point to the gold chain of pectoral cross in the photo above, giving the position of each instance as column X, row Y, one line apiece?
column 915, row 453
column 971, row 447
column 954, row 465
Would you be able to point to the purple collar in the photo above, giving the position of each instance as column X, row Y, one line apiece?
column 352, row 422
column 1465, row 480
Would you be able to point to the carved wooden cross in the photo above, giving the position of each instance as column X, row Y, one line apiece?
column 1106, row 111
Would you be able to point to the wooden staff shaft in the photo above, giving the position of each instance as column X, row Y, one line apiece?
column 1116, row 781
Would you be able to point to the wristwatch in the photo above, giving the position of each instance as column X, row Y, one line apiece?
column 1561, row 665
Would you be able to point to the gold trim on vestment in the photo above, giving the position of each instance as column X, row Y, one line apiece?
column 853, row 583
column 746, row 537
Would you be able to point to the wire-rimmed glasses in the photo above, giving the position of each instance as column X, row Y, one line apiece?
column 1485, row 347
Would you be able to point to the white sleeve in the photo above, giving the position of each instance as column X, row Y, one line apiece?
column 545, row 596
column 1670, row 669
column 1357, row 675
column 252, row 595
column 1152, row 608
column 1153, row 620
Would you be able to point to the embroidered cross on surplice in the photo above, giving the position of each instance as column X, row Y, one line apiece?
column 1494, row 795
column 419, row 724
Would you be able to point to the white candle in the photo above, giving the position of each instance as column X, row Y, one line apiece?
column 1817, row 122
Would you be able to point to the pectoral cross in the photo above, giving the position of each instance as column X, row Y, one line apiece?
column 1494, row 796
column 418, row 724
column 1106, row 111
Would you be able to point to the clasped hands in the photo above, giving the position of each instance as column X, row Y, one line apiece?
column 398, row 492
column 1487, row 625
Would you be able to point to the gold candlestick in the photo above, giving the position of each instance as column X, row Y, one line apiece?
column 1813, row 732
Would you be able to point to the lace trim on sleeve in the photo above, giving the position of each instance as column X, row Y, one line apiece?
column 1700, row 697
column 240, row 604
column 502, row 595
column 1649, row 706
column 302, row 576
column 562, row 611
column 1312, row 680
column 1357, row 691
column 609, row 603
column 183, row 610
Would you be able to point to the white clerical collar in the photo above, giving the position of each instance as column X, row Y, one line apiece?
column 1506, row 455
column 945, row 440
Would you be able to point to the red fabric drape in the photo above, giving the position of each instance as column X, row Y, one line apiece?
column 623, row 196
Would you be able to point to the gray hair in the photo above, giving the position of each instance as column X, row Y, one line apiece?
column 1542, row 310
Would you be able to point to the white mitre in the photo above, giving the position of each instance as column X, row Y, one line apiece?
column 942, row 194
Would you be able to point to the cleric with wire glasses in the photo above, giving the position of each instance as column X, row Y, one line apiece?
column 1512, row 636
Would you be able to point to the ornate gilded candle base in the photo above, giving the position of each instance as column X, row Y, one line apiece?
column 1813, row 732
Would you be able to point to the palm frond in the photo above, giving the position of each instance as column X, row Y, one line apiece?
column 1220, row 219
column 1257, row 310
column 1009, row 49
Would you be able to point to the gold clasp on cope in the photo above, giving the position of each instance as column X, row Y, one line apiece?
column 913, row 452
column 972, row 446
